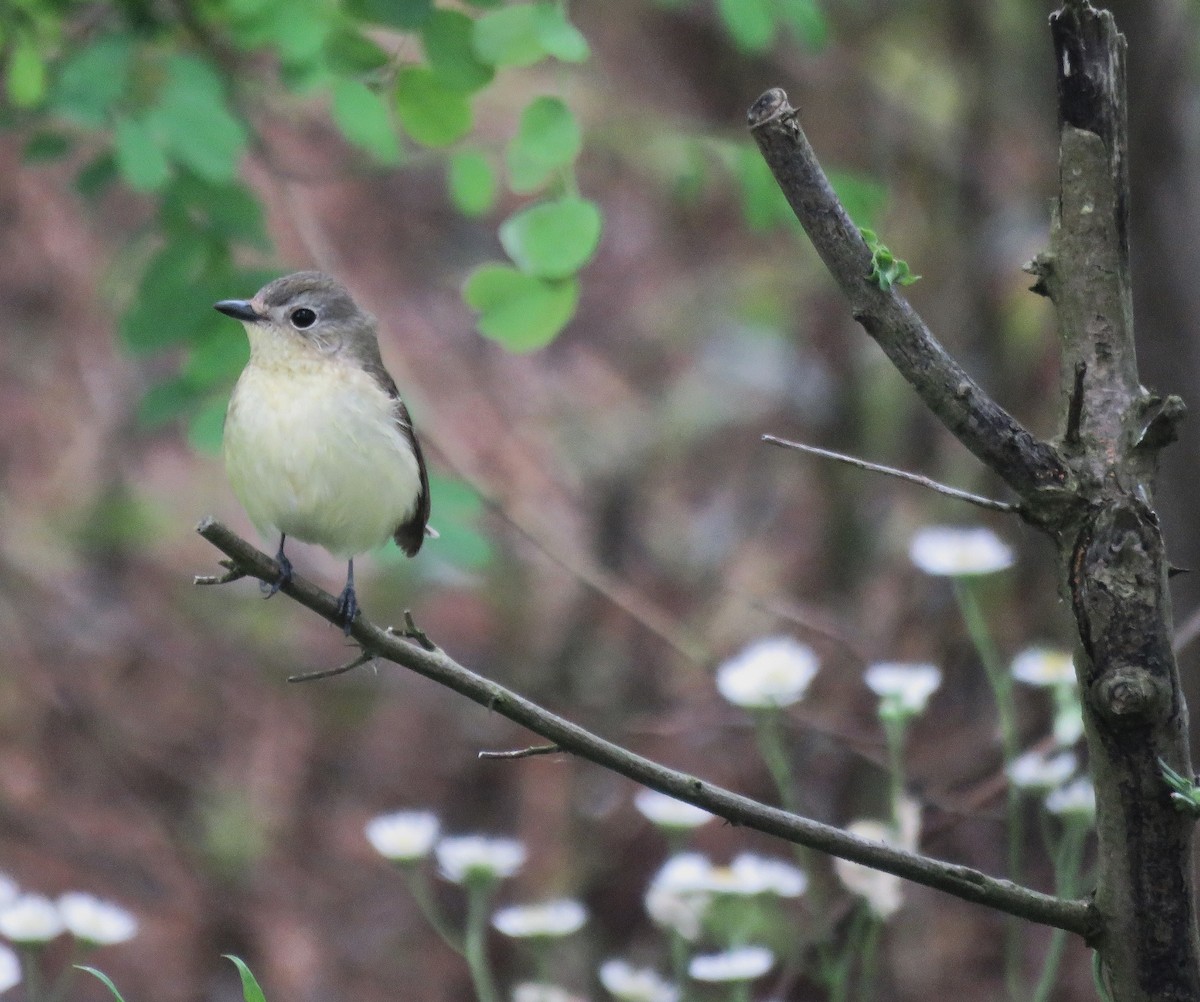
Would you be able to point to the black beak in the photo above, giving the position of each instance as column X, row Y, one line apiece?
column 239, row 309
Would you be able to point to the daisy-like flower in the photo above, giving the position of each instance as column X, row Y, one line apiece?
column 1037, row 771
column 1076, row 799
column 547, row 920
column 678, row 897
column 10, row 969
column 669, row 813
column 744, row 963
column 949, row 551
column 405, row 836
column 95, row 922
column 903, row 688
column 881, row 891
column 627, row 983
column 1044, row 667
column 9, row 891
column 469, row 859
column 750, row 875
column 769, row 673
column 29, row 920
column 540, row 991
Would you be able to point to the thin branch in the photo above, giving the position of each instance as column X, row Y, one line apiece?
column 529, row 752
column 364, row 658
column 1030, row 467
column 961, row 881
column 891, row 471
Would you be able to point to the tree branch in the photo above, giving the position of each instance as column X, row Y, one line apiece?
column 1029, row 466
column 960, row 881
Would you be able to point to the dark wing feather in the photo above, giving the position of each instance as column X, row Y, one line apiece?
column 410, row 534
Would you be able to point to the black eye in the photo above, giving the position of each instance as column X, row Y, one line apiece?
column 303, row 318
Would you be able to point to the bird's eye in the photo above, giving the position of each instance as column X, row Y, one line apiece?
column 303, row 318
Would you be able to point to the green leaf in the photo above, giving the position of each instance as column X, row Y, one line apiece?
column 886, row 269
column 227, row 209
column 558, row 36
column 553, row 239
column 174, row 299
column 447, row 38
column 472, row 182
column 364, row 118
column 508, row 37
column 763, row 204
column 205, row 432
column 103, row 978
column 523, row 313
column 805, row 18
column 459, row 509
column 96, row 175
column 166, row 401
column 862, row 196
column 431, row 114
column 193, row 121
column 405, row 14
column 751, row 23
column 548, row 139
column 45, row 145
column 250, row 990
column 26, row 77
column 350, row 52
column 91, row 81
column 139, row 159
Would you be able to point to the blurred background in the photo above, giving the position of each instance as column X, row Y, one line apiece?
column 612, row 527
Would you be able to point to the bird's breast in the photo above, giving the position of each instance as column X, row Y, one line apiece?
column 312, row 449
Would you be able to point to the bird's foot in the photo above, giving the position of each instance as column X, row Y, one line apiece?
column 347, row 608
column 285, row 576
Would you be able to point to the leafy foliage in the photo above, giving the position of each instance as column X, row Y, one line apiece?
column 886, row 269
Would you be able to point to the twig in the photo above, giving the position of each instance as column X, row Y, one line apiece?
column 891, row 471
column 312, row 676
column 961, row 881
column 529, row 752
column 1029, row 466
column 232, row 573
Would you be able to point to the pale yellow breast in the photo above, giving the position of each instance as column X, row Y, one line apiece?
column 312, row 449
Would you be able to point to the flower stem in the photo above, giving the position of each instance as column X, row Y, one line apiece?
column 1067, row 853
column 479, row 898
column 418, row 886
column 1000, row 681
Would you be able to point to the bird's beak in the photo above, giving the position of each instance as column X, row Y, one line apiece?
column 239, row 309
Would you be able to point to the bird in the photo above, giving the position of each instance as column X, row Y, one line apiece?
column 318, row 444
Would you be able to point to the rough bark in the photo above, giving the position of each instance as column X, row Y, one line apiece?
column 1091, row 491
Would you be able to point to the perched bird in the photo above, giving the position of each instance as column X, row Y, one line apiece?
column 318, row 444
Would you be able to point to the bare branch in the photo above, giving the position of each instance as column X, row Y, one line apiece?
column 961, row 881
column 1030, row 467
column 891, row 471
column 529, row 752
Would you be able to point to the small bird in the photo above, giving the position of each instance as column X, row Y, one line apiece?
column 318, row 444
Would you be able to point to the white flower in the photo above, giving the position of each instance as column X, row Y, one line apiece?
column 678, row 896
column 667, row 812
column 30, row 919
column 545, row 920
column 882, row 891
column 405, row 836
column 466, row 859
column 771, row 672
column 9, row 891
column 1043, row 666
column 906, row 687
column 10, row 969
column 750, row 875
column 1068, row 718
column 1077, row 798
column 1036, row 770
column 100, row 923
column 947, row 551
column 539, row 991
column 744, row 963
column 636, row 984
